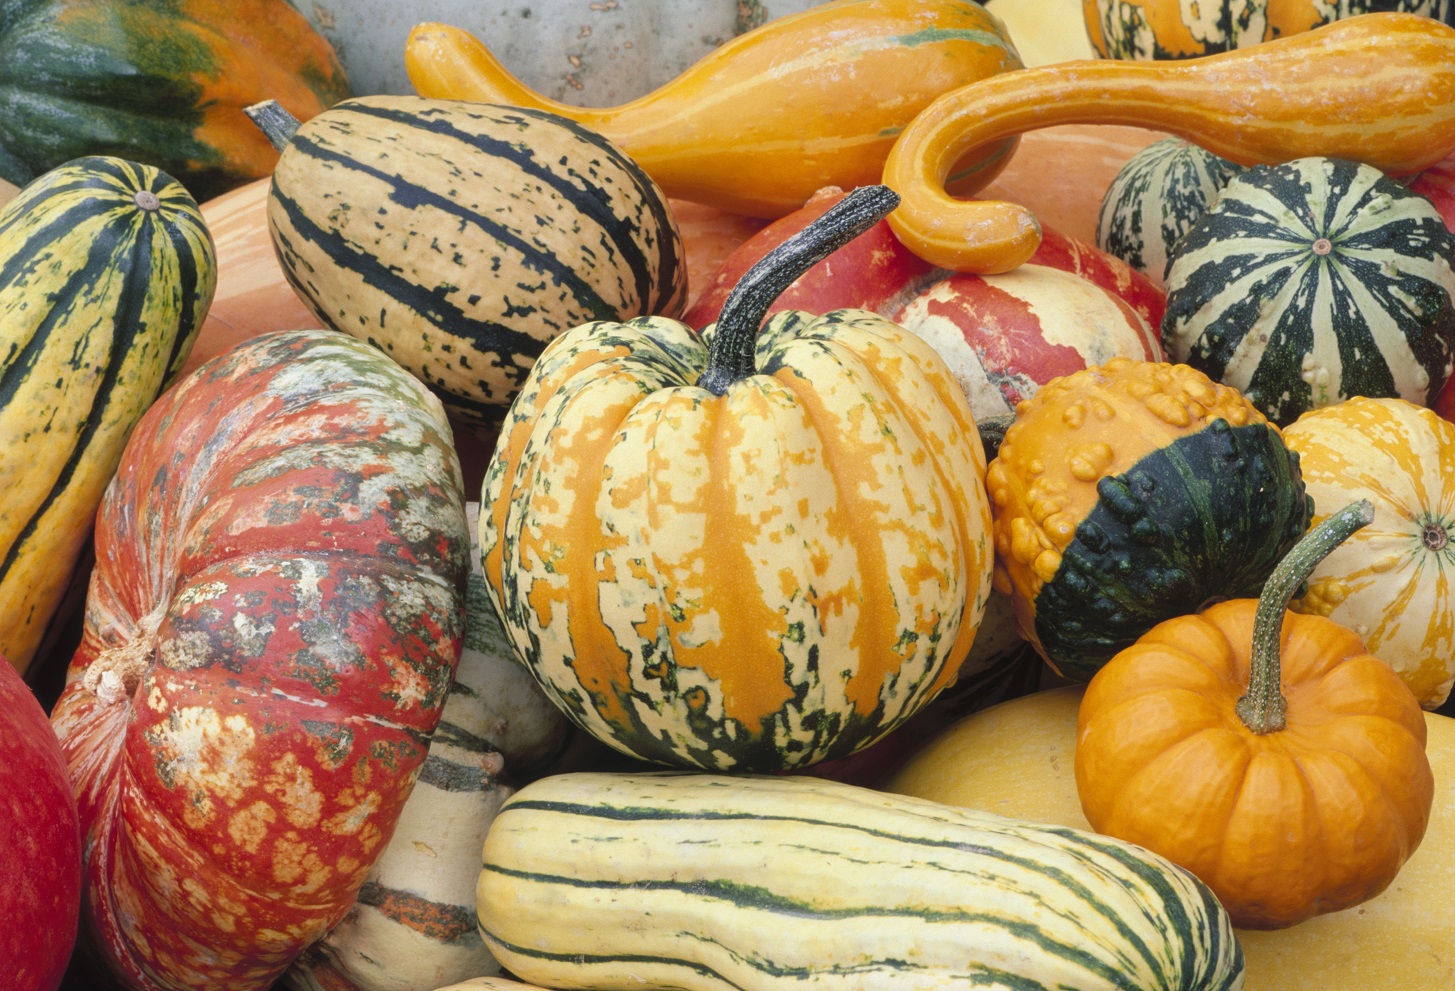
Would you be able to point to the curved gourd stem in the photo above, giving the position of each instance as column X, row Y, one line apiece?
column 1377, row 88
column 730, row 358
column 276, row 123
column 1262, row 709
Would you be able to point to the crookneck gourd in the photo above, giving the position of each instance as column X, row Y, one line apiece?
column 1264, row 751
column 741, row 549
column 1132, row 492
column 1377, row 89
column 776, row 113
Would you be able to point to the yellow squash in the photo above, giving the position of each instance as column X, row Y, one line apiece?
column 1378, row 89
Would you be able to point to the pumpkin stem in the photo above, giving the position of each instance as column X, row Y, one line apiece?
column 730, row 356
column 276, row 123
column 1262, row 709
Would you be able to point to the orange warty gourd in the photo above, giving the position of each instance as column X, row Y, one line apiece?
column 1377, row 89
column 1264, row 751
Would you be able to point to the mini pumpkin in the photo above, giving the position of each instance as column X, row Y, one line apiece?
column 749, row 550
column 1266, row 752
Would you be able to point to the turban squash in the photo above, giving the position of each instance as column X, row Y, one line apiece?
column 272, row 627
column 727, row 552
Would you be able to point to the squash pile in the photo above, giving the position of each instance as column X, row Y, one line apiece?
column 503, row 539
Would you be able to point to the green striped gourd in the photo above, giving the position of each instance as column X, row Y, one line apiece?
column 106, row 272
column 1154, row 198
column 716, row 882
column 1314, row 281
column 413, row 925
column 460, row 238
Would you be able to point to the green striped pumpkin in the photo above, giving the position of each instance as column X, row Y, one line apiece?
column 460, row 238
column 715, row 882
column 1154, row 198
column 106, row 272
column 1314, row 281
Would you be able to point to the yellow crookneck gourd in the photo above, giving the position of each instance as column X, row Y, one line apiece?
column 761, row 123
column 1377, row 88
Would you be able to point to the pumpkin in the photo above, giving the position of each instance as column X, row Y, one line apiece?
column 1389, row 582
column 1016, row 760
column 161, row 82
column 1314, row 281
column 40, row 859
column 745, row 549
column 1267, row 752
column 1174, row 29
column 271, row 630
column 106, row 270
column 1378, row 89
column 1155, row 197
column 460, row 238
column 1130, row 493
column 769, row 117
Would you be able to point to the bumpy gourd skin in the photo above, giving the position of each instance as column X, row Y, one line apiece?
column 1132, row 492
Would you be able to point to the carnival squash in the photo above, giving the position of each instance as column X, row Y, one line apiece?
column 160, row 82
column 1378, row 89
column 106, row 271
column 1130, row 493
column 1314, row 281
column 271, row 630
column 744, row 549
column 1174, row 29
column 769, row 117
column 1390, row 582
column 1267, row 752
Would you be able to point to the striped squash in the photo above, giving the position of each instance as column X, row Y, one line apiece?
column 460, row 237
column 106, row 272
column 1314, row 281
column 1154, row 198
column 712, row 882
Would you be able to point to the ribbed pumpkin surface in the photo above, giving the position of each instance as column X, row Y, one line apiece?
column 106, row 272
column 1314, row 281
column 759, row 580
column 716, row 883
column 460, row 237
column 271, row 630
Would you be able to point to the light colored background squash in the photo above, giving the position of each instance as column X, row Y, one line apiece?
column 590, row 53
column 1016, row 760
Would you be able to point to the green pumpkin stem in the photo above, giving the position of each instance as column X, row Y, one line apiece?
column 277, row 124
column 730, row 357
column 1262, row 708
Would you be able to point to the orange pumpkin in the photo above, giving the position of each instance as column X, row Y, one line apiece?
column 1287, row 803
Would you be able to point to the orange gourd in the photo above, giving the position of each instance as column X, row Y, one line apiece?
column 1264, row 751
column 1378, row 89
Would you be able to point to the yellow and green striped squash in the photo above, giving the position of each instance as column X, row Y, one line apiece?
column 755, row 571
column 106, row 272
column 709, row 882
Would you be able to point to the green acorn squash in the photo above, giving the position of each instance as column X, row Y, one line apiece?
column 161, row 82
column 1312, row 282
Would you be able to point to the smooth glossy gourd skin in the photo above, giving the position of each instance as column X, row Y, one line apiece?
column 1378, row 89
column 771, row 116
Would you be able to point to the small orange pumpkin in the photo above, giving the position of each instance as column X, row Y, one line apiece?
column 1287, row 804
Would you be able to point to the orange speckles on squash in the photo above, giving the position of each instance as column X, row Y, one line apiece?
column 198, row 751
column 291, row 785
column 297, row 863
column 249, row 826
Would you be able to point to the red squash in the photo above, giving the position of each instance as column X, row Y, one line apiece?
column 271, row 629
column 40, row 844
column 1438, row 184
column 1071, row 307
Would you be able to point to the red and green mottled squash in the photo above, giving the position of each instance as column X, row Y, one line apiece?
column 1391, row 583
column 106, row 271
column 1154, row 198
column 162, row 82
column 271, row 630
column 1314, row 281
column 460, row 238
column 742, row 549
column 1132, row 492
column 1178, row 29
